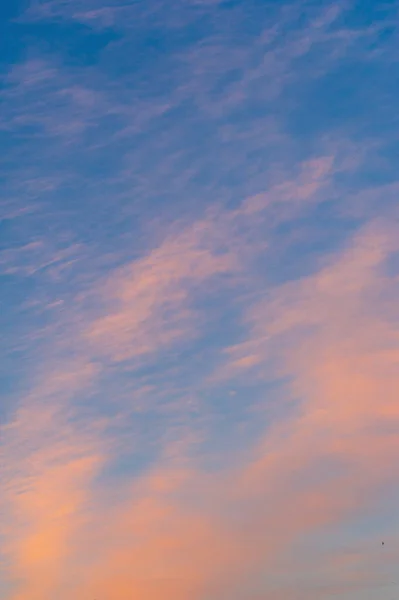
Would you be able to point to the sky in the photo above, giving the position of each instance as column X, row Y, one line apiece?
column 199, row 288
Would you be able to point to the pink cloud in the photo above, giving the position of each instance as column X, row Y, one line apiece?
column 149, row 300
column 313, row 177
column 177, row 531
column 148, row 303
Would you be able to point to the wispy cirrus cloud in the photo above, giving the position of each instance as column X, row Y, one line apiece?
column 152, row 293
column 324, row 333
column 199, row 252
column 333, row 456
column 180, row 531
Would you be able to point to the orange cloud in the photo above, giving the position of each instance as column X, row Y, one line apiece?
column 334, row 335
column 46, row 513
column 47, row 466
column 177, row 531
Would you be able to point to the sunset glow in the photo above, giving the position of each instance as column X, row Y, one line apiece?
column 199, row 285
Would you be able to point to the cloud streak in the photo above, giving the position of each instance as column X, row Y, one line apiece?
column 179, row 530
column 199, row 251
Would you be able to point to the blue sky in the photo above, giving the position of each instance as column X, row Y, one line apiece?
column 199, row 288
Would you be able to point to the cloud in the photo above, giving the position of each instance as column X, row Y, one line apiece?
column 152, row 294
column 334, row 336
column 105, row 493
column 288, row 196
column 149, row 304
column 45, row 514
column 178, row 531
column 52, row 452
column 48, row 463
